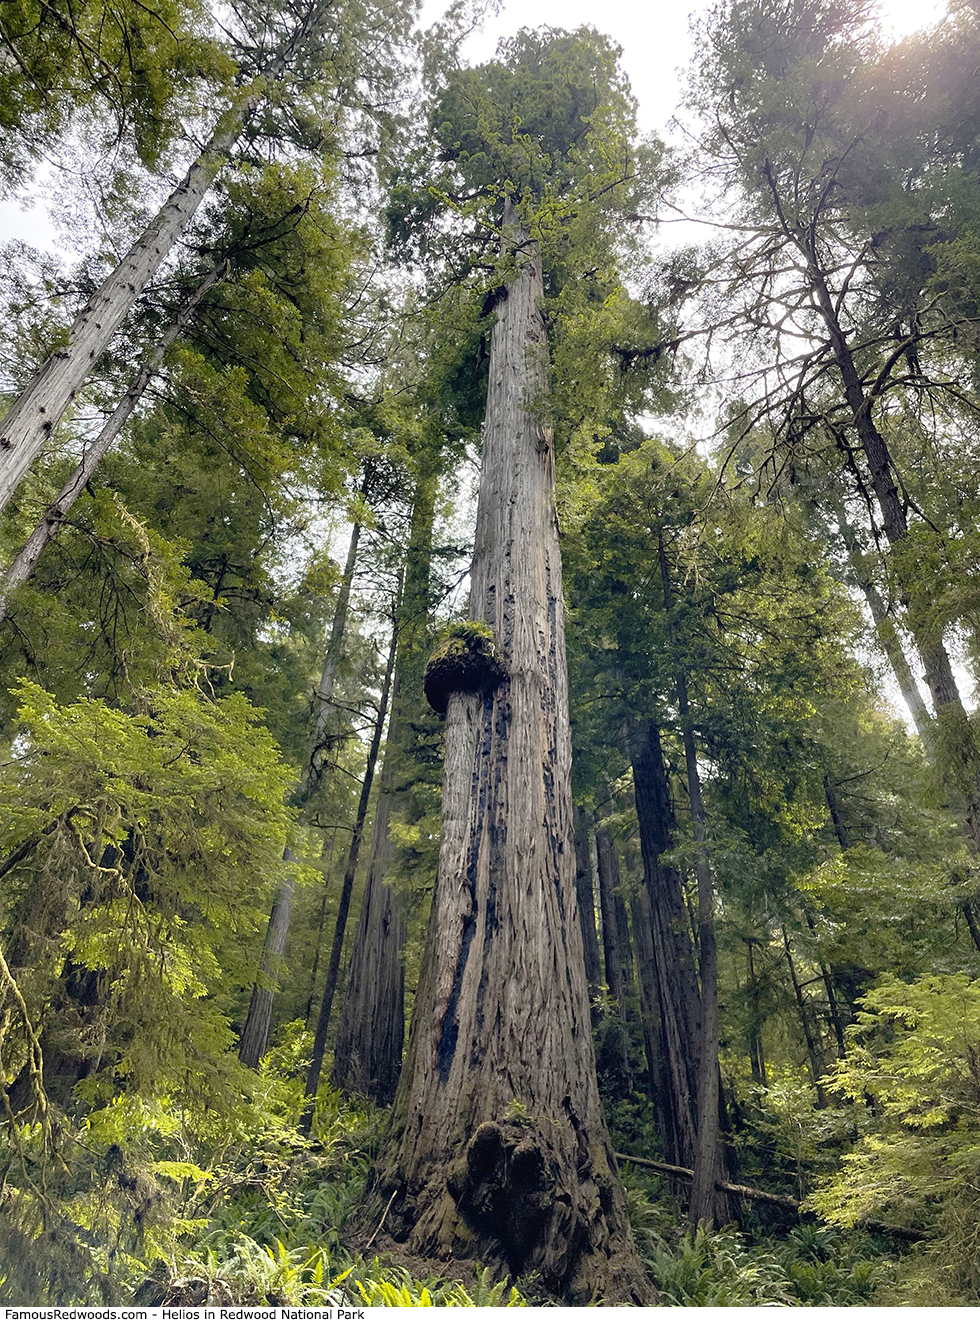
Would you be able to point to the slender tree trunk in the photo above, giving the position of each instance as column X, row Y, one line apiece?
column 34, row 415
column 371, row 1031
column 321, row 918
column 585, row 894
column 887, row 635
column 255, row 1035
column 25, row 561
column 346, row 891
column 614, row 1056
column 814, row 1055
column 658, row 1075
column 706, row 1208
column 675, row 994
column 497, row 1149
column 757, row 1055
column 955, row 739
column 254, row 1041
column 836, row 817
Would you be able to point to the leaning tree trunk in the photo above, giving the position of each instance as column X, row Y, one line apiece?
column 497, row 1149
column 24, row 563
column 956, row 741
column 34, row 415
column 371, row 1033
column 891, row 644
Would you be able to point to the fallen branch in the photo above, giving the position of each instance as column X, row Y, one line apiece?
column 782, row 1200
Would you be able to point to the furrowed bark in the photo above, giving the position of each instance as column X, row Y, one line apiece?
column 673, row 992
column 497, row 1150
column 25, row 562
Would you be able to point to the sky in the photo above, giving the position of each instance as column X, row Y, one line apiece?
column 656, row 44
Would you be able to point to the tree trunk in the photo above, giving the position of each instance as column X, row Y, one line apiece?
column 884, row 627
column 254, row 1041
column 25, row 561
column 497, row 1149
column 675, row 994
column 34, row 415
column 346, row 890
column 585, row 895
column 371, row 1032
column 836, row 817
column 955, row 739
column 814, row 1055
column 255, row 1035
column 614, row 1054
column 757, row 1054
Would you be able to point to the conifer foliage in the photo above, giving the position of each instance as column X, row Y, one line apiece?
column 489, row 777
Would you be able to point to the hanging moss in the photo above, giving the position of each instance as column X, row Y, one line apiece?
column 466, row 661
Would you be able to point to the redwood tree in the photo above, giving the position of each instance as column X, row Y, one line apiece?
column 497, row 1149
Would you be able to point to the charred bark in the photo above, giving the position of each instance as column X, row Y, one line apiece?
column 497, row 1149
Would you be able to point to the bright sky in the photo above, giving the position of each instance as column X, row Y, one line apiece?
column 655, row 38
column 656, row 46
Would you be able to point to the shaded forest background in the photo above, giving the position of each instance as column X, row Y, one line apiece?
column 238, row 480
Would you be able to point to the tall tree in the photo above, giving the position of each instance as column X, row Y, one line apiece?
column 371, row 1032
column 497, row 1148
column 300, row 52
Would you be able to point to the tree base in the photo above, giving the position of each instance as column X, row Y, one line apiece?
column 505, row 1203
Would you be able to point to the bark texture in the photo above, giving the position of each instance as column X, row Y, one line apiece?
column 498, row 1151
column 667, row 969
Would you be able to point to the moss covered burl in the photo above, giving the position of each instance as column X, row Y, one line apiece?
column 466, row 661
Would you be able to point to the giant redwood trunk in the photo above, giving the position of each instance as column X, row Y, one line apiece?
column 497, row 1149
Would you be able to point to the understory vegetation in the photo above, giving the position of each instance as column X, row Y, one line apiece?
column 489, row 763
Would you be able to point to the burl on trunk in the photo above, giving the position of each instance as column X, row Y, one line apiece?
column 498, row 1151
